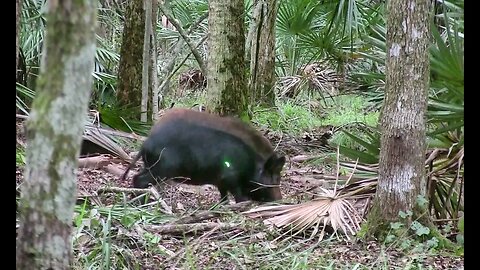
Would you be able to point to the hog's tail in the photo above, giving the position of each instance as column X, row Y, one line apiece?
column 132, row 164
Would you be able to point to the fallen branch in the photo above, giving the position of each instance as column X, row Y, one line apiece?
column 178, row 47
column 208, row 214
column 139, row 192
column 241, row 206
column 188, row 228
column 135, row 191
column 170, row 75
column 96, row 162
column 141, row 232
column 303, row 158
column 197, row 217
column 21, row 116
column 100, row 162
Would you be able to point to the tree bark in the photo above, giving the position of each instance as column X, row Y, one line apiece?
column 166, row 56
column 403, row 146
column 54, row 135
column 226, row 85
column 147, row 5
column 129, row 89
column 17, row 29
column 153, row 62
column 262, row 52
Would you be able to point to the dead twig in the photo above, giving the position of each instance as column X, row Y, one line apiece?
column 304, row 158
column 208, row 214
column 188, row 228
column 197, row 217
column 139, row 192
column 100, row 163
column 21, row 116
column 135, row 191
column 96, row 162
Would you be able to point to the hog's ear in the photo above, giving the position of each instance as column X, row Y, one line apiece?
column 275, row 163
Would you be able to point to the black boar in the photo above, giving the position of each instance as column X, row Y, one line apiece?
column 200, row 148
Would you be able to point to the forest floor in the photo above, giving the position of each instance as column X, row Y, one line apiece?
column 113, row 232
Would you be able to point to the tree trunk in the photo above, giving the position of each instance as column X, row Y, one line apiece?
column 19, row 12
column 226, row 64
column 129, row 89
column 153, row 61
column 168, row 59
column 146, row 59
column 54, row 135
column 262, row 52
column 403, row 146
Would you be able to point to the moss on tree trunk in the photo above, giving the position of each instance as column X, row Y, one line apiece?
column 54, row 131
column 129, row 88
column 226, row 64
column 402, row 155
column 152, row 72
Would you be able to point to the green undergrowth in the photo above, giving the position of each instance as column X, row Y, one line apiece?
column 296, row 116
column 20, row 156
column 342, row 112
column 122, row 235
column 415, row 236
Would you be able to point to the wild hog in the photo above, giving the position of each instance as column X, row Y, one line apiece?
column 200, row 148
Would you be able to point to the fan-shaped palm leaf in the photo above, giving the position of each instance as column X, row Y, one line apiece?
column 331, row 208
column 24, row 95
column 32, row 30
column 326, row 210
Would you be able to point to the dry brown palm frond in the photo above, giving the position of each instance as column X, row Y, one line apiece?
column 290, row 86
column 96, row 136
column 445, row 169
column 445, row 181
column 372, row 168
column 450, row 163
column 328, row 210
column 332, row 209
column 317, row 77
column 104, row 137
column 360, row 189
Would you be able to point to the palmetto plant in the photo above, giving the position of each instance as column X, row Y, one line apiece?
column 24, row 97
column 445, row 113
column 32, row 26
column 186, row 13
column 328, row 32
column 330, row 210
column 32, row 29
column 107, row 57
column 444, row 165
